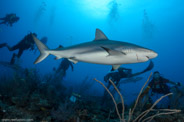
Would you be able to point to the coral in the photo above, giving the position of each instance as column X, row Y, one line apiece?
column 26, row 96
column 143, row 116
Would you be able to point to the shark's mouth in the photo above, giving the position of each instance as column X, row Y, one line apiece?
column 141, row 59
column 148, row 57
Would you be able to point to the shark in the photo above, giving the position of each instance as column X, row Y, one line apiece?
column 101, row 50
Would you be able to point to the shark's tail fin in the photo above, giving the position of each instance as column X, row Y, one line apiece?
column 42, row 48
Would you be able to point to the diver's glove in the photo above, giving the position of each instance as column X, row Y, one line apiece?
column 147, row 89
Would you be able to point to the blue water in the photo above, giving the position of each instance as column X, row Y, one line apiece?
column 69, row 22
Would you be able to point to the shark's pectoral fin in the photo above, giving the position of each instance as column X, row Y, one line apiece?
column 72, row 59
column 113, row 52
column 99, row 35
column 114, row 67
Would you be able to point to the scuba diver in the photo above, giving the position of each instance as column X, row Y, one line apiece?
column 122, row 73
column 147, row 26
column 26, row 43
column 114, row 10
column 64, row 65
column 159, row 85
column 9, row 19
column 117, row 76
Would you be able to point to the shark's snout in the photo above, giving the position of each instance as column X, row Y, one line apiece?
column 152, row 54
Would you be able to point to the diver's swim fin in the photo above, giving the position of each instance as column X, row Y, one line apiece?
column 150, row 67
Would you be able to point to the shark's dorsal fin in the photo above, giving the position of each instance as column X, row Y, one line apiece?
column 59, row 47
column 99, row 35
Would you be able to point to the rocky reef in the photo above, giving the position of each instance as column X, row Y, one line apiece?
column 29, row 96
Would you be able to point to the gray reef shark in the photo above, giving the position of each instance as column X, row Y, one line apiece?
column 99, row 51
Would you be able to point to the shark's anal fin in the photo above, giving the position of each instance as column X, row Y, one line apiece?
column 99, row 35
column 72, row 59
column 113, row 52
column 114, row 67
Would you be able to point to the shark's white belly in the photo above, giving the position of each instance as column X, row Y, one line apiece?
column 103, row 58
column 99, row 56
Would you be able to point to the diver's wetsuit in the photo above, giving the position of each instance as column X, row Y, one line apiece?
column 115, row 77
column 160, row 87
column 65, row 63
column 9, row 19
column 26, row 43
